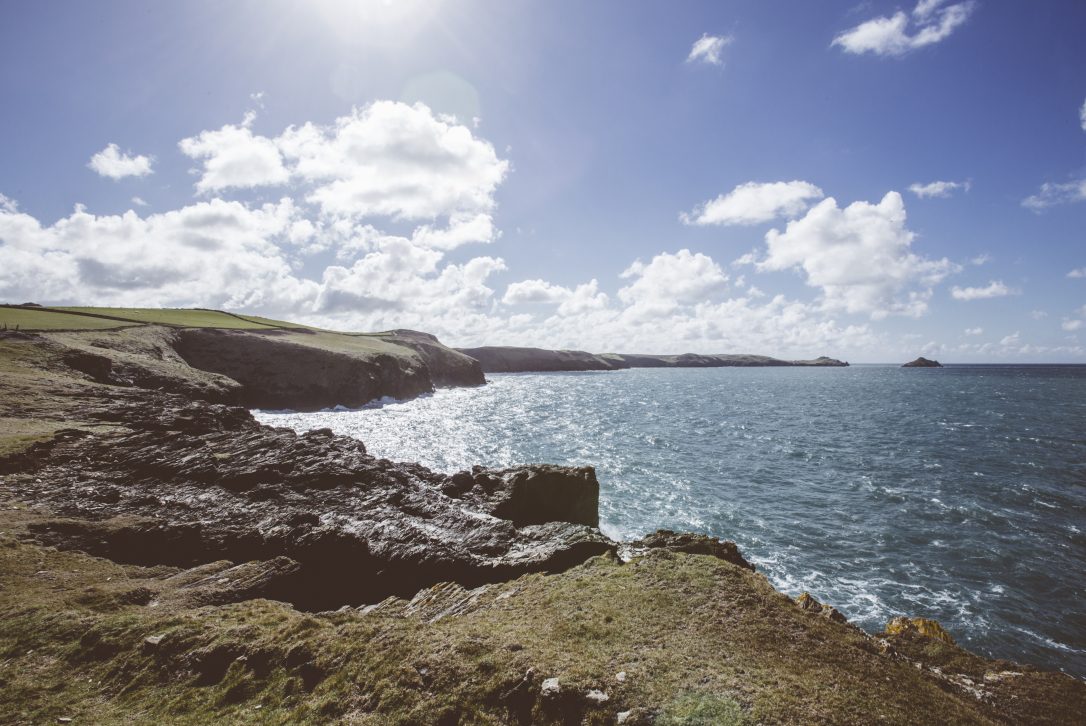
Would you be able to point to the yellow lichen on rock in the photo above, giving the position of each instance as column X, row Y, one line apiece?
column 924, row 626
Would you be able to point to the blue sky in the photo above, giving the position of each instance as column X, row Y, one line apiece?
column 562, row 173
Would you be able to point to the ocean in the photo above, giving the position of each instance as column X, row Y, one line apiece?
column 957, row 493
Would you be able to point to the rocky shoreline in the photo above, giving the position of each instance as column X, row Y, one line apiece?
column 165, row 557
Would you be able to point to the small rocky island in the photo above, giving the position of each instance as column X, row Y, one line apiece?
column 922, row 362
column 165, row 558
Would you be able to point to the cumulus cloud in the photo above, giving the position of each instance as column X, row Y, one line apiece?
column 1082, row 116
column 7, row 204
column 995, row 288
column 859, row 257
column 534, row 291
column 709, row 49
column 393, row 160
column 1071, row 325
column 116, row 164
column 754, row 202
column 233, row 157
column 895, row 35
column 1078, row 272
column 1052, row 194
column 974, row 331
column 941, row 189
column 671, row 280
column 139, row 201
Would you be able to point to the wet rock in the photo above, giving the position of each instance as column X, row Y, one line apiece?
column 923, row 626
column 694, row 544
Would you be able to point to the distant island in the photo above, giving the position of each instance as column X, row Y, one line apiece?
column 510, row 359
column 923, row 362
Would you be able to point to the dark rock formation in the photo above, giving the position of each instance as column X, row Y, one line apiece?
column 693, row 544
column 275, row 372
column 447, row 367
column 524, row 360
column 923, row 362
column 196, row 483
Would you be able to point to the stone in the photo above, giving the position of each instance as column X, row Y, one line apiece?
column 809, row 604
column 550, row 688
column 694, row 544
column 924, row 626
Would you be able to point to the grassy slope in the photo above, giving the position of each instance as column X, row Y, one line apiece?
column 697, row 639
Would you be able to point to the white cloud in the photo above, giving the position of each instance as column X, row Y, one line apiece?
column 233, row 157
column 534, row 291
column 1071, row 325
column 1052, row 194
column 995, row 288
column 859, row 257
column 1013, row 339
column 902, row 33
column 116, row 164
column 393, row 160
column 582, row 299
column 941, row 189
column 139, row 202
column 7, row 204
column 671, row 280
column 755, row 202
column 1082, row 116
column 1038, row 314
column 1078, row 272
column 981, row 259
column 709, row 49
column 974, row 331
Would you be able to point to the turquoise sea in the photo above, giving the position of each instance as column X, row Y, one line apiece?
column 955, row 493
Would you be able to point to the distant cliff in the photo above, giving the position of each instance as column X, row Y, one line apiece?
column 508, row 359
column 922, row 362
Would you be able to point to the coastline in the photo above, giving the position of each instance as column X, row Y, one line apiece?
column 171, row 529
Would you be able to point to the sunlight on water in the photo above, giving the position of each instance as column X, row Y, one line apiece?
column 958, row 494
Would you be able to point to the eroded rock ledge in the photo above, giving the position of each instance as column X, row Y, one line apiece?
column 193, row 483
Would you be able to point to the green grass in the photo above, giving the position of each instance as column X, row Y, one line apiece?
column 46, row 319
column 183, row 317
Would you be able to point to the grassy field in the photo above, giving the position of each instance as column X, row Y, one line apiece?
column 46, row 319
column 91, row 318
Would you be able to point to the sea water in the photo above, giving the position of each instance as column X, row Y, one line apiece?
column 957, row 494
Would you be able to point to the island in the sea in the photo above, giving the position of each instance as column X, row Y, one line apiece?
column 166, row 558
column 922, row 362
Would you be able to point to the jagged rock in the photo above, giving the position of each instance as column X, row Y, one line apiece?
column 808, row 603
column 197, row 483
column 535, row 494
column 923, row 626
column 695, row 544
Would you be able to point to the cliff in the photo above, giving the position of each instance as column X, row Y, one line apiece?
column 167, row 559
column 507, row 359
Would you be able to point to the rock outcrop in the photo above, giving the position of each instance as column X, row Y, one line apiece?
column 922, row 362
column 195, row 483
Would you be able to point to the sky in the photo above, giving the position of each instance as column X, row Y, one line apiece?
column 870, row 181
